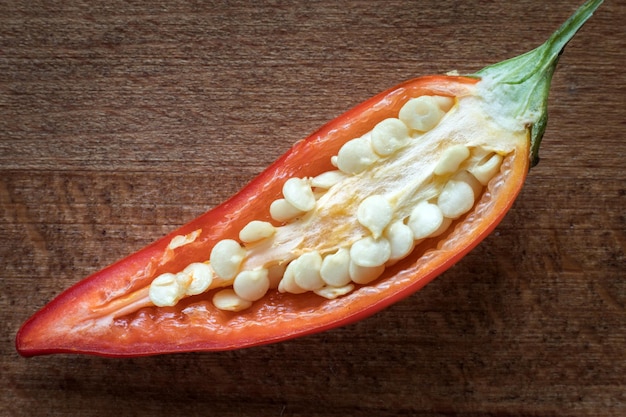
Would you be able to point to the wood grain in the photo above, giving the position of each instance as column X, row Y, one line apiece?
column 120, row 121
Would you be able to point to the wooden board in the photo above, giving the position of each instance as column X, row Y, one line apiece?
column 120, row 121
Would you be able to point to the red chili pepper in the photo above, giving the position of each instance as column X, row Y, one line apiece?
column 497, row 114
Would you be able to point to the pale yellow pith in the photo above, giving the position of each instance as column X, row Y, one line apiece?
column 404, row 178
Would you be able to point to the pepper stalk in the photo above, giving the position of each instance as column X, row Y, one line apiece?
column 519, row 87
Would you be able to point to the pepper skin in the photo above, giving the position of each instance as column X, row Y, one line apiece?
column 107, row 314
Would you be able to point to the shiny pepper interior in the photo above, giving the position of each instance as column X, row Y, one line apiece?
column 401, row 183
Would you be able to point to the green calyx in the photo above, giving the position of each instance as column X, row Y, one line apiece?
column 519, row 86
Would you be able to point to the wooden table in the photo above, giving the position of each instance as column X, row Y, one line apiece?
column 120, row 121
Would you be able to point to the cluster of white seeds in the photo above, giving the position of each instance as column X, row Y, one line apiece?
column 386, row 237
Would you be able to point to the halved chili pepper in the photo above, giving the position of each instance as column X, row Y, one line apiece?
column 365, row 211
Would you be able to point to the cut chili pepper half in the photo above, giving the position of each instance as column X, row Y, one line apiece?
column 364, row 212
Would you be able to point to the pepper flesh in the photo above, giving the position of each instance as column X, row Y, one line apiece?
column 107, row 313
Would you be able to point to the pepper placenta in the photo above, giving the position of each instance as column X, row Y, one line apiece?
column 364, row 212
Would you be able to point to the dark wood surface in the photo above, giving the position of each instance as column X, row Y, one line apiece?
column 120, row 121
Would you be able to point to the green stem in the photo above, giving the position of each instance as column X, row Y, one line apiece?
column 520, row 85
